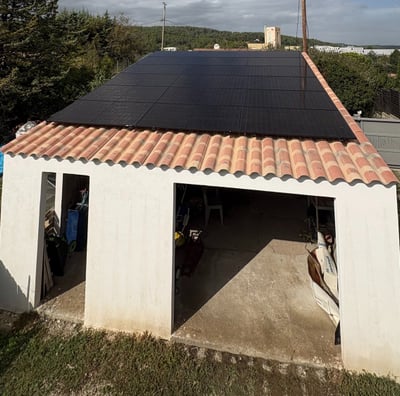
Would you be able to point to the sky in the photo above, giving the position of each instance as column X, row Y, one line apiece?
column 357, row 22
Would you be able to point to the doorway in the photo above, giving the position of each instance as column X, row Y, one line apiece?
column 65, row 220
column 251, row 292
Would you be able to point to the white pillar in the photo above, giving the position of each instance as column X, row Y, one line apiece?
column 21, row 236
column 369, row 278
column 129, row 278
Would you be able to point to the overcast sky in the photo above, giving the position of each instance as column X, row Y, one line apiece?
column 348, row 21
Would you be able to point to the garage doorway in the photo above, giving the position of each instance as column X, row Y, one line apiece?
column 250, row 292
column 65, row 223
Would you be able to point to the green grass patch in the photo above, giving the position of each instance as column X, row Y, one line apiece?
column 368, row 384
column 42, row 357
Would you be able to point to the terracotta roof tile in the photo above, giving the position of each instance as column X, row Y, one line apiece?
column 331, row 161
column 268, row 157
column 255, row 157
column 355, row 161
column 210, row 147
column 198, row 152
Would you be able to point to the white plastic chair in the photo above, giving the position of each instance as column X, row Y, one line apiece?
column 212, row 201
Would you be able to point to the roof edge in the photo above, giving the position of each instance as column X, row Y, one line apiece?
column 355, row 128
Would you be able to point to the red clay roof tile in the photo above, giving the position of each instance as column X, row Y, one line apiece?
column 331, row 161
column 355, row 161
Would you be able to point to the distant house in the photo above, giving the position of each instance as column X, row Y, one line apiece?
column 264, row 121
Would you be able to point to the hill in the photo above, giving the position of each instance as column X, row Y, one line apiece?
column 189, row 37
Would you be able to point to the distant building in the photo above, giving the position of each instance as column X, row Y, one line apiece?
column 292, row 48
column 355, row 50
column 272, row 36
column 272, row 39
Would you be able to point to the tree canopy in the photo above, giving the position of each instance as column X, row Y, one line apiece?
column 356, row 79
column 31, row 63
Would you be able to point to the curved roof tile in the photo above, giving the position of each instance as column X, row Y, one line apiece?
column 322, row 160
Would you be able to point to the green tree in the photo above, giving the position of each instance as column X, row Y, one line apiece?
column 394, row 59
column 356, row 79
column 87, row 44
column 31, row 63
column 125, row 43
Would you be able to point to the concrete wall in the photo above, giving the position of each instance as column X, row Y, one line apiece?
column 130, row 281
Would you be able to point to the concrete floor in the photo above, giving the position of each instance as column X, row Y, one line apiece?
column 66, row 300
column 251, row 293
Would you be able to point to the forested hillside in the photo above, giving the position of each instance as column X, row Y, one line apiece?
column 50, row 58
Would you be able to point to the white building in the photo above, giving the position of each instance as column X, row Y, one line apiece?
column 272, row 40
column 132, row 174
column 272, row 36
column 355, row 50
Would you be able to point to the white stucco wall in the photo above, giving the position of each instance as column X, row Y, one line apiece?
column 19, row 250
column 130, row 282
column 367, row 239
column 130, row 247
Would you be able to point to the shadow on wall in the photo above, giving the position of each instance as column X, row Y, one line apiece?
column 12, row 298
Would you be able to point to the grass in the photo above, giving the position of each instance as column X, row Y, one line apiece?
column 40, row 357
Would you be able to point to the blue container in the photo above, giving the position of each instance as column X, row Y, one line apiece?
column 1, row 162
column 71, row 232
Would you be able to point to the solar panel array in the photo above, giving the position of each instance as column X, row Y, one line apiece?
column 263, row 93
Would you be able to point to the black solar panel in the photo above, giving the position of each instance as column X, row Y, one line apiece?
column 267, row 93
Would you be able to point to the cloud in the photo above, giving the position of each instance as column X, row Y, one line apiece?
column 347, row 21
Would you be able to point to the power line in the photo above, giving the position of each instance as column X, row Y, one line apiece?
column 176, row 23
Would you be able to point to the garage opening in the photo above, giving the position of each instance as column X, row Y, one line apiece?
column 247, row 288
column 65, row 237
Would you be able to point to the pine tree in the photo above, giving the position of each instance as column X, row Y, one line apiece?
column 31, row 61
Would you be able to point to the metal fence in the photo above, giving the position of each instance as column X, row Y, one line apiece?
column 388, row 101
column 384, row 134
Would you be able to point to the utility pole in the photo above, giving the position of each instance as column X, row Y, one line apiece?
column 304, row 23
column 163, row 26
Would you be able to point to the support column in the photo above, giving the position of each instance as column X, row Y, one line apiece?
column 129, row 278
column 21, row 235
column 369, row 278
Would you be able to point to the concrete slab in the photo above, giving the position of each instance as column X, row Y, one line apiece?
column 251, row 293
column 66, row 300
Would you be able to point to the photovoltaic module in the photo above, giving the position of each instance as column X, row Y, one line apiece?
column 268, row 93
